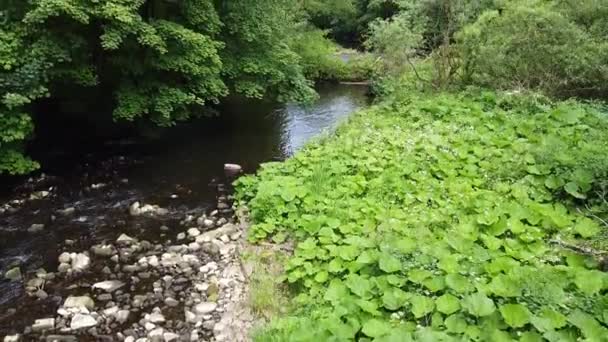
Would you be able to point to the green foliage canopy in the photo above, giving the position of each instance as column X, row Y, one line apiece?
column 157, row 59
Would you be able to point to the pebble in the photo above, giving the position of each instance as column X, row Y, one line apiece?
column 194, row 232
column 12, row 338
column 171, row 302
column 79, row 302
column 169, row 336
column 80, row 321
column 109, row 285
column 205, row 308
column 43, row 324
column 36, row 228
column 14, row 274
column 81, row 262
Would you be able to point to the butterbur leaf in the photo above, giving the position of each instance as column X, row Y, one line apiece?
column 590, row 328
column 574, row 190
column 421, row 305
column 530, row 336
column 553, row 182
column 321, row 276
column 394, row 298
column 336, row 291
column 587, row 228
column 389, row 263
column 548, row 320
column 516, row 315
column 589, row 281
column 376, row 328
column 436, row 283
column 478, row 304
column 458, row 283
column 418, row 276
column 447, row 304
column 456, row 324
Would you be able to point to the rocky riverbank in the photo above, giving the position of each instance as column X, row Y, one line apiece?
column 191, row 287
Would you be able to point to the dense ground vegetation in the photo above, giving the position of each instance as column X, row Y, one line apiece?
column 447, row 212
column 443, row 218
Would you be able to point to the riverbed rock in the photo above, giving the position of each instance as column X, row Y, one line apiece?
column 79, row 302
column 205, row 308
column 102, row 251
column 135, row 209
column 61, row 338
column 232, row 170
column 14, row 274
column 109, row 285
column 226, row 229
column 35, row 228
column 66, row 211
column 122, row 316
column 65, row 258
column 80, row 321
column 170, row 337
column 125, row 239
column 43, row 324
column 156, row 317
column 12, row 338
column 81, row 262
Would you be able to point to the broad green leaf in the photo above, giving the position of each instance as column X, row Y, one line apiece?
column 530, row 336
column 456, row 324
column 574, row 190
column 589, row 281
column 587, row 228
column 335, row 266
column 447, row 304
column 548, row 320
column 418, row 276
column 458, row 283
column 388, row 263
column 478, row 304
column 590, row 328
column 435, row 283
column 376, row 328
column 421, row 305
column 502, row 285
column 516, row 315
column 395, row 298
column 321, row 277
column 336, row 291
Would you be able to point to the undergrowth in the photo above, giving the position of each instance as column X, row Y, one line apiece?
column 444, row 218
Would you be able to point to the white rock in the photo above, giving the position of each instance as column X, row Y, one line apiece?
column 124, row 238
column 156, row 318
column 134, row 209
column 205, row 308
column 190, row 317
column 43, row 324
column 80, row 321
column 81, row 262
column 169, row 336
column 35, row 228
column 129, row 339
column 65, row 258
column 181, row 236
column 207, row 223
column 14, row 274
column 17, row 338
column 156, row 334
column 79, row 302
column 109, row 285
column 153, row 261
column 149, row 326
column 111, row 312
column 194, row 232
column 122, row 316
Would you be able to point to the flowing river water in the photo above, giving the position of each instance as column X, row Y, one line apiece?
column 178, row 169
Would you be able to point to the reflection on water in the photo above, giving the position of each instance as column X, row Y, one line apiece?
column 174, row 168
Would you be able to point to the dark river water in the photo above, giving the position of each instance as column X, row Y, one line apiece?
column 177, row 168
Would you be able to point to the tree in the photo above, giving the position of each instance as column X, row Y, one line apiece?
column 163, row 60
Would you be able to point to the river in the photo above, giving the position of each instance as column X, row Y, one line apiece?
column 177, row 168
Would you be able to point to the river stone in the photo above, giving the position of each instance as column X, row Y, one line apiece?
column 122, row 316
column 63, row 267
column 14, row 274
column 156, row 335
column 79, row 302
column 171, row 302
column 109, row 285
column 126, row 239
column 81, row 262
column 35, row 228
column 43, row 324
column 156, row 318
column 169, row 337
column 65, row 258
column 103, row 251
column 41, row 294
column 66, row 211
column 134, row 209
column 194, row 232
column 12, row 338
column 205, row 308
column 80, row 321
column 61, row 338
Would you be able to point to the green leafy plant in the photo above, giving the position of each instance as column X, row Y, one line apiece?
column 445, row 217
